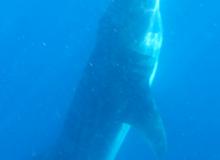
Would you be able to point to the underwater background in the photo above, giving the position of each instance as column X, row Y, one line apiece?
column 44, row 45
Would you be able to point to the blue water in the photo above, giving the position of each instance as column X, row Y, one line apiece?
column 44, row 45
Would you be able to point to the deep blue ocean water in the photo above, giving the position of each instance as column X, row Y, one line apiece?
column 44, row 45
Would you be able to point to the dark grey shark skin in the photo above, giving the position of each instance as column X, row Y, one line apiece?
column 114, row 88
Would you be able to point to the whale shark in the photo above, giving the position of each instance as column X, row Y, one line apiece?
column 114, row 92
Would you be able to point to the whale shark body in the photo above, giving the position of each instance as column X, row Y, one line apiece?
column 113, row 93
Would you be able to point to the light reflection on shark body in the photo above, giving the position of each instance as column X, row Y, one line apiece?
column 114, row 91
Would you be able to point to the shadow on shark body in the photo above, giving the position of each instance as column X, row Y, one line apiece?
column 113, row 93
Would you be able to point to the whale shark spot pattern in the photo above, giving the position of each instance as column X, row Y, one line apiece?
column 153, row 40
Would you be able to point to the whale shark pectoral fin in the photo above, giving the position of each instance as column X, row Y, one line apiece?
column 147, row 120
column 154, row 131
